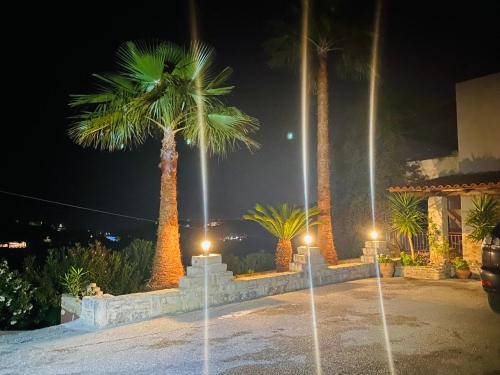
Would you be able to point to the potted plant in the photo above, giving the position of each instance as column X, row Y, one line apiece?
column 462, row 269
column 386, row 265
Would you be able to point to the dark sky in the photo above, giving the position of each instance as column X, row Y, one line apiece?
column 51, row 51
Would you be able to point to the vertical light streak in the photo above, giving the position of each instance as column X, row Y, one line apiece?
column 371, row 154
column 197, row 50
column 305, row 168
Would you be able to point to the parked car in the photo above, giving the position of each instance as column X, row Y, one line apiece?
column 490, row 271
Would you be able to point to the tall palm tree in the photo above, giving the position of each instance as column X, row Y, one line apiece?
column 407, row 218
column 284, row 222
column 347, row 47
column 158, row 92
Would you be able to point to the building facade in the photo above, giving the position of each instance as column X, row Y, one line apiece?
column 451, row 183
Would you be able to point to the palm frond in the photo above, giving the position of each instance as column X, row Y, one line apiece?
column 406, row 216
column 226, row 128
column 284, row 221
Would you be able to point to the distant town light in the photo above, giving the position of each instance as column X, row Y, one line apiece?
column 289, row 136
column 14, row 245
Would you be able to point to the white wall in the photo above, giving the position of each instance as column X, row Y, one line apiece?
column 478, row 122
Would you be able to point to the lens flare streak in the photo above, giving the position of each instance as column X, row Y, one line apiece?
column 203, row 162
column 371, row 151
column 305, row 161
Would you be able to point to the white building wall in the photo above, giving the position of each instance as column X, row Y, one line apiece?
column 478, row 122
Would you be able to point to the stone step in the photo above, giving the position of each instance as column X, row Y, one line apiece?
column 367, row 259
column 201, row 260
column 211, row 268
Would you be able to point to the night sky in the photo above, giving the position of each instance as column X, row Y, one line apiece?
column 51, row 51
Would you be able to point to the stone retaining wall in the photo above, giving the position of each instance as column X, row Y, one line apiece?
column 429, row 272
column 71, row 308
column 102, row 311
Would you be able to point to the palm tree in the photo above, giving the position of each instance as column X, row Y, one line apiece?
column 406, row 216
column 483, row 217
column 328, row 37
column 284, row 222
column 158, row 92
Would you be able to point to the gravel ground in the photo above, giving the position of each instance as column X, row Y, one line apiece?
column 435, row 327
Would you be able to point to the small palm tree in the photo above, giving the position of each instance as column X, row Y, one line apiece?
column 283, row 222
column 483, row 217
column 407, row 218
column 167, row 91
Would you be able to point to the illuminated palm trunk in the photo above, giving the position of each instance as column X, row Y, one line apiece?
column 412, row 249
column 283, row 255
column 325, row 228
column 167, row 265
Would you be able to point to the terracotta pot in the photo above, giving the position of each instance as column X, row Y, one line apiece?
column 463, row 274
column 387, row 269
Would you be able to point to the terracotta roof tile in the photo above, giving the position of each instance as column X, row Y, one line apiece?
column 473, row 181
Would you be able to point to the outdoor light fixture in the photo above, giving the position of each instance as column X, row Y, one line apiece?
column 205, row 246
column 374, row 234
column 308, row 239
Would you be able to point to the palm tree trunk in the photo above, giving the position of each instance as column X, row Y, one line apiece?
column 325, row 229
column 412, row 249
column 283, row 255
column 167, row 264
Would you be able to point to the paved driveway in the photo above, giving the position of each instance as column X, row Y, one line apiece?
column 435, row 327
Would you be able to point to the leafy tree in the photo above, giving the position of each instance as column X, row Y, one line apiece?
column 483, row 217
column 284, row 222
column 406, row 216
column 15, row 298
column 331, row 38
column 167, row 91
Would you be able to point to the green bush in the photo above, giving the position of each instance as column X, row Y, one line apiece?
column 251, row 263
column 407, row 260
column 384, row 258
column 460, row 263
column 74, row 283
column 115, row 272
column 483, row 217
column 15, row 298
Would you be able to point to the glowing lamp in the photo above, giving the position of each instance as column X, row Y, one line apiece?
column 205, row 246
column 374, row 234
column 308, row 239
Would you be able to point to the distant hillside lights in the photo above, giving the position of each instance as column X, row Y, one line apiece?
column 14, row 245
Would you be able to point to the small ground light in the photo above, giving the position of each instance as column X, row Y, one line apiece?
column 374, row 234
column 188, row 141
column 205, row 246
column 289, row 136
column 308, row 239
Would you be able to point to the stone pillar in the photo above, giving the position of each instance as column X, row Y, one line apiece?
column 471, row 249
column 438, row 216
column 372, row 248
column 217, row 272
column 300, row 260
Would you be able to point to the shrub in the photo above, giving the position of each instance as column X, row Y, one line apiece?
column 115, row 272
column 460, row 263
column 437, row 242
column 73, row 281
column 407, row 260
column 483, row 217
column 15, row 298
column 251, row 263
column 384, row 258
